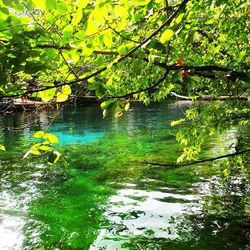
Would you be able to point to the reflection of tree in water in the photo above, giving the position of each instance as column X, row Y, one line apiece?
column 18, row 127
column 224, row 222
column 10, row 125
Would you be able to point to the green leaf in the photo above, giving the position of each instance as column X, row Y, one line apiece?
column 2, row 148
column 67, row 31
column 44, row 148
column 47, row 95
column 87, row 51
column 10, row 2
column 50, row 4
column 62, row 8
column 35, row 152
column 157, row 45
column 179, row 18
column 118, row 114
column 127, row 105
column 123, row 49
column 177, row 122
column 166, row 35
column 77, row 17
column 51, row 137
column 61, row 97
column 142, row 2
column 33, row 67
column 82, row 3
column 66, row 89
column 39, row 134
column 107, row 103
column 137, row 17
column 108, row 41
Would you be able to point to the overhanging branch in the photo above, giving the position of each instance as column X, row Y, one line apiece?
column 143, row 90
column 209, row 97
column 194, row 162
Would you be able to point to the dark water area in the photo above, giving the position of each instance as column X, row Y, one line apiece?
column 107, row 198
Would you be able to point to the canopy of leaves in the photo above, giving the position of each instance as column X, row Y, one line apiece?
column 140, row 49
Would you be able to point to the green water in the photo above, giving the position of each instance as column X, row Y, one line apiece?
column 107, row 199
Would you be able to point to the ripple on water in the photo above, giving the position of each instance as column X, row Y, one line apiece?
column 149, row 214
column 17, row 193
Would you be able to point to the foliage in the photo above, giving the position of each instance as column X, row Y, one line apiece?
column 140, row 49
column 44, row 147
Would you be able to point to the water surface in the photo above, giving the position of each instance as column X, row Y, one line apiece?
column 107, row 199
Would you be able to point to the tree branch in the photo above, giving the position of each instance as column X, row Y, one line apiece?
column 209, row 97
column 142, row 90
column 195, row 162
column 156, row 32
column 119, row 34
column 198, row 70
column 97, row 52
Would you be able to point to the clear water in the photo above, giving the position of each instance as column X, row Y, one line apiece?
column 107, row 199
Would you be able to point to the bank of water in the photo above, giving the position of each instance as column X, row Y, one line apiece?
column 108, row 199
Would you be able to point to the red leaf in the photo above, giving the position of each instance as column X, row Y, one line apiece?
column 179, row 62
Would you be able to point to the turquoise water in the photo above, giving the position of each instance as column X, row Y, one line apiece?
column 107, row 199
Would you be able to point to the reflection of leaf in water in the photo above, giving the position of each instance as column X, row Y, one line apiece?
column 137, row 198
column 149, row 232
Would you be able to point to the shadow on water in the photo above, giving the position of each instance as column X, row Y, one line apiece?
column 106, row 199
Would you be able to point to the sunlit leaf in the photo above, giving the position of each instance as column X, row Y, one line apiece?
column 40, row 4
column 47, row 95
column 35, row 152
column 105, row 104
column 51, row 137
column 123, row 49
column 142, row 2
column 118, row 114
column 77, row 17
column 35, row 146
column 67, row 31
column 108, row 41
column 2, row 147
column 61, row 97
column 82, row 3
column 39, row 134
column 127, row 105
column 174, row 123
column 50, row 4
column 179, row 18
column 66, row 89
column 166, row 35
column 87, row 51
column 61, row 8
column 92, row 27
column 44, row 148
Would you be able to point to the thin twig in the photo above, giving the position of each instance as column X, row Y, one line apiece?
column 119, row 34
column 194, row 162
column 156, row 32
column 142, row 90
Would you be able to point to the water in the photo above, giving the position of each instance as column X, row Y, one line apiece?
column 107, row 199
